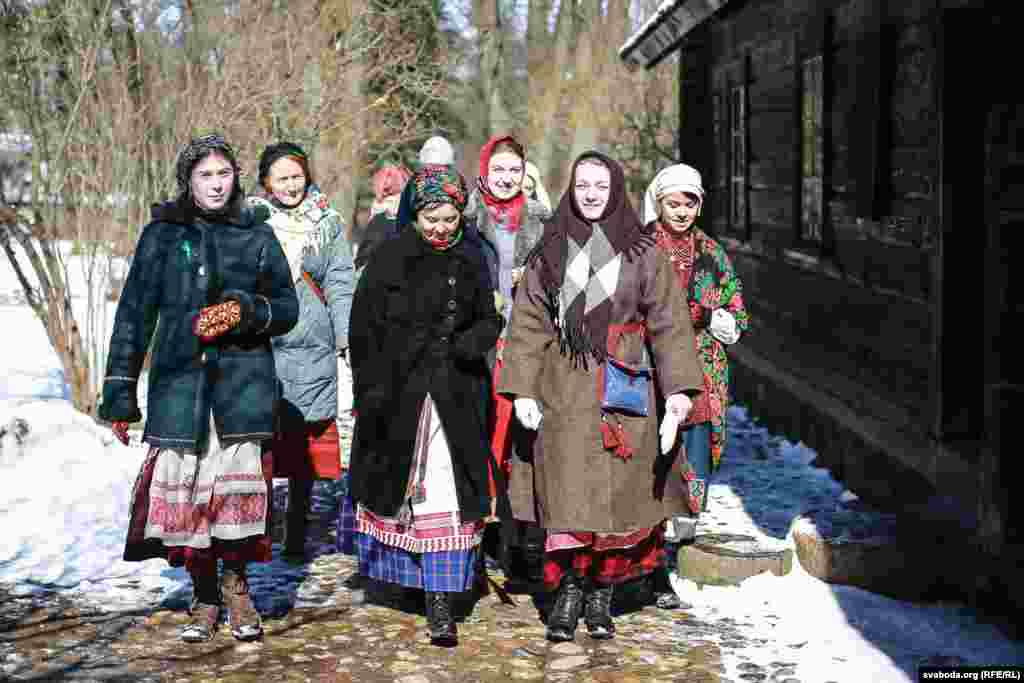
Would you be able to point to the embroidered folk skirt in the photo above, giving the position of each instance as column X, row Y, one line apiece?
column 195, row 508
column 426, row 546
column 605, row 558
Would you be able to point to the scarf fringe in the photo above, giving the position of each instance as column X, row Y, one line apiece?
column 574, row 339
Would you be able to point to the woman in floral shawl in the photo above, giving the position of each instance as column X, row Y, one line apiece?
column 311, row 359
column 715, row 297
column 423, row 321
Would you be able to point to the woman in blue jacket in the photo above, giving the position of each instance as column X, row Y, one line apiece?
column 312, row 358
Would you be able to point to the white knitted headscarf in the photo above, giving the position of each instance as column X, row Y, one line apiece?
column 677, row 178
column 437, row 150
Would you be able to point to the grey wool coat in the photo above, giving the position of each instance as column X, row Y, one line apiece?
column 574, row 483
column 516, row 245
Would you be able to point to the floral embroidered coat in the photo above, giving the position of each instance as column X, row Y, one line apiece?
column 709, row 280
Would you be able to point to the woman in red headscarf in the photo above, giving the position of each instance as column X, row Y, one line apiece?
column 388, row 183
column 512, row 224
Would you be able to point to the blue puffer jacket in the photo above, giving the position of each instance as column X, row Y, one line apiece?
column 306, row 357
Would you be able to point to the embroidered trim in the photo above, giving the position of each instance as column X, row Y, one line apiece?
column 158, row 440
column 120, row 378
column 270, row 314
column 256, row 435
column 421, row 545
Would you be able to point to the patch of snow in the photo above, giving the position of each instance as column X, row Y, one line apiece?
column 828, row 632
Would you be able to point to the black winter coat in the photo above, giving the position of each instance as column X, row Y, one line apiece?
column 422, row 321
column 181, row 265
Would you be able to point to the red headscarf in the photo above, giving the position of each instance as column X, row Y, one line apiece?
column 389, row 180
column 506, row 211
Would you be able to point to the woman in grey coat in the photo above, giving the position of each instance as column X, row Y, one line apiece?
column 313, row 355
column 510, row 225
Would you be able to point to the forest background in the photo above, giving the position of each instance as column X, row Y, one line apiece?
column 97, row 97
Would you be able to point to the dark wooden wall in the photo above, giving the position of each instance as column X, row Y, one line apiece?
column 852, row 314
column 889, row 347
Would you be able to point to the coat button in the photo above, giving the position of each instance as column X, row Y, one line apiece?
column 451, row 305
column 451, row 281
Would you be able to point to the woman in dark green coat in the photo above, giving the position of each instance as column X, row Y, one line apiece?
column 216, row 279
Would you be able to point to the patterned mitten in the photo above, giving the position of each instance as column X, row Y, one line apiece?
column 213, row 321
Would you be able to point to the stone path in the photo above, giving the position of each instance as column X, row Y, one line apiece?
column 342, row 635
column 318, row 630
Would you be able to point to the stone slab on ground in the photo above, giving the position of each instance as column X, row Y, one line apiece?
column 728, row 559
column 867, row 549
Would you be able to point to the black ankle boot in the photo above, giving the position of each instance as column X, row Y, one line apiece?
column 533, row 562
column 441, row 618
column 565, row 614
column 597, row 614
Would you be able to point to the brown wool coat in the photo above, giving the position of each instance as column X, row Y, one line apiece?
column 574, row 483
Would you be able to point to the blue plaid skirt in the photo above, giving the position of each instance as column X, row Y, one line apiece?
column 347, row 526
column 450, row 571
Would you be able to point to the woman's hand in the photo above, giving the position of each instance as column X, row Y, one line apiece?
column 120, row 430
column 214, row 321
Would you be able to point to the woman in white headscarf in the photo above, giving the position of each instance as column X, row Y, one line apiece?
column 714, row 294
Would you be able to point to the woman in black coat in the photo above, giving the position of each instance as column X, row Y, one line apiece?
column 423, row 319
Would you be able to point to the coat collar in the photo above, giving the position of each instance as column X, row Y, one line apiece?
column 182, row 212
column 535, row 213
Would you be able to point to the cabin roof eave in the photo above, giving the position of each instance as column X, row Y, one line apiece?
column 665, row 29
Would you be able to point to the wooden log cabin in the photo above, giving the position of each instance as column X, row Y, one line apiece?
column 865, row 167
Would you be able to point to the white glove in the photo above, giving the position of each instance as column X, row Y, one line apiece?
column 677, row 407
column 528, row 412
column 723, row 326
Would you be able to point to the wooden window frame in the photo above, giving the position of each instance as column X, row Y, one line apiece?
column 813, row 42
column 811, row 221
column 737, row 140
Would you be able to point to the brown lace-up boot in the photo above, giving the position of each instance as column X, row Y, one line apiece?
column 205, row 609
column 242, row 615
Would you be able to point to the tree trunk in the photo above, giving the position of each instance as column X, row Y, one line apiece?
column 346, row 145
column 550, row 95
column 587, row 98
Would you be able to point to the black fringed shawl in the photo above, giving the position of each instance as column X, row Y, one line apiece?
column 582, row 334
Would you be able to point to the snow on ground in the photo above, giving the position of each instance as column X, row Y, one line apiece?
column 829, row 632
column 64, row 505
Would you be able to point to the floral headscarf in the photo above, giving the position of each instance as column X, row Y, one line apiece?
column 437, row 184
column 433, row 184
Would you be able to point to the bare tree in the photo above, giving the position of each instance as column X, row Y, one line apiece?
column 105, row 101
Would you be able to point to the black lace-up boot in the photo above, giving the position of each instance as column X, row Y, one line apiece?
column 565, row 614
column 597, row 613
column 441, row 618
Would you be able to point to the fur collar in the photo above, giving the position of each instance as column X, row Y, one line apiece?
column 184, row 213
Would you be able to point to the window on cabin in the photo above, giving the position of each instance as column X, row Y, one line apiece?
column 738, row 159
column 812, row 149
column 719, row 196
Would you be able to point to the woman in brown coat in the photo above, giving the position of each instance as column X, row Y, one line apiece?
column 598, row 300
